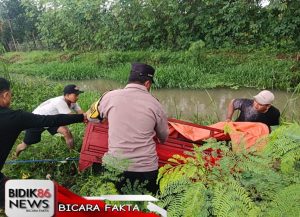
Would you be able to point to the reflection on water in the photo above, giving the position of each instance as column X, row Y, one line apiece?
column 213, row 102
column 187, row 103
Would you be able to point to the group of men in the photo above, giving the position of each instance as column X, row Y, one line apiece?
column 135, row 117
column 13, row 122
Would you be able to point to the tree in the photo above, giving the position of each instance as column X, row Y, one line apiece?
column 284, row 20
column 17, row 27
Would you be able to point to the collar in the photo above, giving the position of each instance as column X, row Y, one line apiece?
column 136, row 86
column 67, row 101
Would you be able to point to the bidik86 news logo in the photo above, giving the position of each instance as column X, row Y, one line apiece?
column 29, row 198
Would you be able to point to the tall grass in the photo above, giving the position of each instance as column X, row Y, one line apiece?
column 197, row 69
column 4, row 68
column 295, row 96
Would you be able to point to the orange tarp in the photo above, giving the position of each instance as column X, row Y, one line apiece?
column 244, row 135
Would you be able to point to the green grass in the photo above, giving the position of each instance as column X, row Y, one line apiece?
column 197, row 69
column 29, row 93
column 205, row 69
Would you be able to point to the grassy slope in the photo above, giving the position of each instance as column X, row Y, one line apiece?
column 190, row 69
column 28, row 94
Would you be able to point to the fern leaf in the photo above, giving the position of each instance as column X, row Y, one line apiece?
column 286, row 202
column 233, row 200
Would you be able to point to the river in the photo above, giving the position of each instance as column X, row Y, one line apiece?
column 191, row 104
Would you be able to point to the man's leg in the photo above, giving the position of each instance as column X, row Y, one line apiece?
column 67, row 135
column 142, row 177
column 32, row 136
column 151, row 177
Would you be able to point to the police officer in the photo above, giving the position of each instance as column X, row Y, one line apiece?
column 135, row 117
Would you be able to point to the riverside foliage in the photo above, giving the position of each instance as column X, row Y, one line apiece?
column 244, row 184
column 196, row 68
column 148, row 24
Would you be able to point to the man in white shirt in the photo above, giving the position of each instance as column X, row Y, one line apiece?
column 65, row 104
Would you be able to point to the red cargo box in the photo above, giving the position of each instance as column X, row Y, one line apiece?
column 95, row 143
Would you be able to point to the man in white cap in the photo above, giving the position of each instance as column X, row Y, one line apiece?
column 258, row 109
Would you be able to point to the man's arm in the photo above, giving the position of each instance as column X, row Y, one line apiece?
column 161, row 128
column 77, row 109
column 276, row 119
column 80, row 111
column 230, row 111
column 28, row 120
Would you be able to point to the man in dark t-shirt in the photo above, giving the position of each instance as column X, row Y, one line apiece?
column 258, row 109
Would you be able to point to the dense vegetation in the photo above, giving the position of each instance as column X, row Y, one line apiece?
column 148, row 24
column 197, row 67
column 192, row 44
column 244, row 184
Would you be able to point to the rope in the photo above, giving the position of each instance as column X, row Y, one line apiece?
column 42, row 161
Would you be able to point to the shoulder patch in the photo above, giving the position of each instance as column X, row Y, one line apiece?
column 93, row 113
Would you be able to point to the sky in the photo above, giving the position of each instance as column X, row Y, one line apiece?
column 265, row 3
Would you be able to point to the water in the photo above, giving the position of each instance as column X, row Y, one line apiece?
column 187, row 104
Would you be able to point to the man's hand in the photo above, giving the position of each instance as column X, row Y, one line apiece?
column 230, row 111
column 85, row 119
